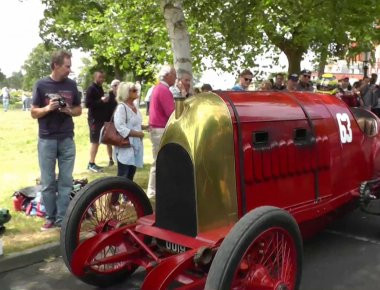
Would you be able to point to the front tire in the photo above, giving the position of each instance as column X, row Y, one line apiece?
column 262, row 251
column 94, row 210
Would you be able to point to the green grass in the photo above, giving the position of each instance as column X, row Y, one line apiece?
column 19, row 168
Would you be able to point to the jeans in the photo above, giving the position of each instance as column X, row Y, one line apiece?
column 123, row 170
column 5, row 104
column 127, row 171
column 56, row 194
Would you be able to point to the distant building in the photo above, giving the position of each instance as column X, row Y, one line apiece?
column 355, row 69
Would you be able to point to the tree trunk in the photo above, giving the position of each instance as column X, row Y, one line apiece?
column 178, row 34
column 118, row 72
column 322, row 62
column 294, row 59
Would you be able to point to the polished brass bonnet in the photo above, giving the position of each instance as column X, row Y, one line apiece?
column 204, row 129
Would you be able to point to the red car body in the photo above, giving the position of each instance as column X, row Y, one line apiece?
column 320, row 174
column 306, row 154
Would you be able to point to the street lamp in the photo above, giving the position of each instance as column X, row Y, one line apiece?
column 365, row 63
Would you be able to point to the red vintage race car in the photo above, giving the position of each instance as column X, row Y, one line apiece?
column 242, row 178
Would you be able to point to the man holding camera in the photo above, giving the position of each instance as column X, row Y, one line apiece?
column 55, row 101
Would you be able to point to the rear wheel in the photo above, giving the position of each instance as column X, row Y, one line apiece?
column 262, row 251
column 103, row 205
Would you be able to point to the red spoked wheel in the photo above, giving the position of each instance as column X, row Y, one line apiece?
column 101, row 206
column 269, row 263
column 262, row 251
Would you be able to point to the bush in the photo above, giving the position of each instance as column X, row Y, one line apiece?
column 15, row 96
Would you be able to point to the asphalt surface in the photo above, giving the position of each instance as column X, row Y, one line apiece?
column 344, row 256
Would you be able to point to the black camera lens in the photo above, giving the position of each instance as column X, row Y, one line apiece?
column 62, row 102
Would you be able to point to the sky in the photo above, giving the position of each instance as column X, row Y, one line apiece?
column 19, row 34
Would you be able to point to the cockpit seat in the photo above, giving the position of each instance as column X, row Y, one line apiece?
column 366, row 121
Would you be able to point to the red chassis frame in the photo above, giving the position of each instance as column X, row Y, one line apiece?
column 161, row 272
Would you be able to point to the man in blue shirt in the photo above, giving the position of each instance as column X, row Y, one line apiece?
column 55, row 101
column 245, row 80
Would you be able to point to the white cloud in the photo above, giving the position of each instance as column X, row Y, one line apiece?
column 19, row 32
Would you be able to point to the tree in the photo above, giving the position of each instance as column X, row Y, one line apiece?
column 36, row 66
column 230, row 33
column 128, row 35
column 2, row 78
column 178, row 33
column 236, row 31
column 86, row 73
column 15, row 81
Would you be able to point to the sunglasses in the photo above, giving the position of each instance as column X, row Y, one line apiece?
column 306, row 76
column 248, row 79
column 133, row 90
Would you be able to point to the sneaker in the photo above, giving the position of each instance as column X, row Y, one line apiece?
column 111, row 163
column 48, row 225
column 94, row 168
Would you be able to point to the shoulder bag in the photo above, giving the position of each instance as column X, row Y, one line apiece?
column 110, row 136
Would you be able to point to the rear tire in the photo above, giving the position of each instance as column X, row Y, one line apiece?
column 262, row 251
column 92, row 212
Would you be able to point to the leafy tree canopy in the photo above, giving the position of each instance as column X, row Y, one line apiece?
column 126, row 35
column 130, row 35
column 15, row 81
column 236, row 31
column 37, row 65
column 2, row 78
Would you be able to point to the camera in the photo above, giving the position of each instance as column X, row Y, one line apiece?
column 57, row 97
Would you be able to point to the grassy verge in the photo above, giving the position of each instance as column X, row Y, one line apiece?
column 19, row 168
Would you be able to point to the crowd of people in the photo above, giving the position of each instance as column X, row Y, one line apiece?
column 293, row 83
column 363, row 93
column 56, row 101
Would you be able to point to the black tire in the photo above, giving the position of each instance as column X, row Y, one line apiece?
column 78, row 208
column 242, row 238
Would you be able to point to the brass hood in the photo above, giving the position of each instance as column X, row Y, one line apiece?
column 205, row 131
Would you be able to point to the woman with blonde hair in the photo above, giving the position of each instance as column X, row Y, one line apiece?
column 128, row 122
column 266, row 86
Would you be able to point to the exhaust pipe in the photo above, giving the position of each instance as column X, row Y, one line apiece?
column 179, row 106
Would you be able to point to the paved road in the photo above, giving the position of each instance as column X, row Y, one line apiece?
column 345, row 256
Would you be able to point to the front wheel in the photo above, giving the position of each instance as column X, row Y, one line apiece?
column 262, row 251
column 103, row 205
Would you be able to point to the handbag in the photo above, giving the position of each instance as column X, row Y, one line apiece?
column 110, row 136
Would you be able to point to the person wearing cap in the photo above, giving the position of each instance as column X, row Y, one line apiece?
column 109, row 108
column 304, row 83
column 245, row 80
column 292, row 83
